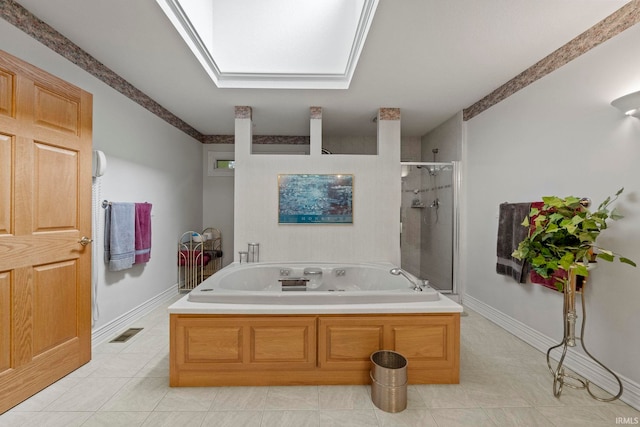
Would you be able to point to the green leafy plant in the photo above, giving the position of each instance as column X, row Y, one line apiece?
column 563, row 236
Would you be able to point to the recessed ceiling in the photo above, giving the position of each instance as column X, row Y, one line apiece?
column 280, row 44
column 430, row 58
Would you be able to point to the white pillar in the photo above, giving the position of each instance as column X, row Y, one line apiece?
column 389, row 180
column 315, row 126
column 243, row 140
column 243, row 132
column 389, row 133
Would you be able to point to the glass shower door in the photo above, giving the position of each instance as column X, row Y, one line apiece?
column 428, row 216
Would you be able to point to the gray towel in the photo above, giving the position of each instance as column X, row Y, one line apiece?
column 119, row 236
column 510, row 233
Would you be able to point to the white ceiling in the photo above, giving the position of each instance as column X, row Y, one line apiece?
column 430, row 58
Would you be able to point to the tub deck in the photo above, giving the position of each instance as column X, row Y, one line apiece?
column 247, row 344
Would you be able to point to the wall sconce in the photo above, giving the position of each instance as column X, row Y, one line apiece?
column 628, row 104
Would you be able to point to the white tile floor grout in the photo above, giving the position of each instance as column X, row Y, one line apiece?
column 504, row 382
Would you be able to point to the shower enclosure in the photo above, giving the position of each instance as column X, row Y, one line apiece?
column 429, row 222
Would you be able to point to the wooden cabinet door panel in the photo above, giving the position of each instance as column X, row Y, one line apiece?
column 347, row 343
column 427, row 341
column 286, row 342
column 223, row 343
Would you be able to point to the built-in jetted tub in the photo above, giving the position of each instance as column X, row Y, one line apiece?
column 310, row 323
column 310, row 283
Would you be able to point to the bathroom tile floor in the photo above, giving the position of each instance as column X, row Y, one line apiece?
column 504, row 382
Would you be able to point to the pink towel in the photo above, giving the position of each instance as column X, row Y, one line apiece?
column 143, row 232
column 193, row 258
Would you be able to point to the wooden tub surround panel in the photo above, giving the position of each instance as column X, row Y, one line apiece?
column 240, row 350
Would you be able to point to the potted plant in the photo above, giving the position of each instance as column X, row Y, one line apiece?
column 561, row 243
column 563, row 237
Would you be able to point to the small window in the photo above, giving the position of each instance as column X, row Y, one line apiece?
column 220, row 164
column 225, row 164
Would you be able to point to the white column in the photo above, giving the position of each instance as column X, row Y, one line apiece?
column 243, row 139
column 389, row 181
column 315, row 126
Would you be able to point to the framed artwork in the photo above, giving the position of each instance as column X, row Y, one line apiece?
column 315, row 199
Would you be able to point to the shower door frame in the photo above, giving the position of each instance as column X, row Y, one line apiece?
column 455, row 247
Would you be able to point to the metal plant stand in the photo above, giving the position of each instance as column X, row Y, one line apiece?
column 559, row 376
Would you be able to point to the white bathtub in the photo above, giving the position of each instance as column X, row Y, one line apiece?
column 347, row 288
column 239, row 328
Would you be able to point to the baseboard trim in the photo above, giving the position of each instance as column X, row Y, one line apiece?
column 575, row 361
column 113, row 328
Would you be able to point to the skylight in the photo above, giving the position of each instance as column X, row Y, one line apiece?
column 286, row 44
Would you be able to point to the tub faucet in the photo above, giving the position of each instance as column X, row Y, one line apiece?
column 417, row 286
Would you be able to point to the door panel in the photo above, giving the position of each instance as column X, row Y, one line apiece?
column 45, row 208
column 7, row 92
column 56, row 111
column 6, row 148
column 21, row 321
column 5, row 320
column 56, row 188
column 54, row 288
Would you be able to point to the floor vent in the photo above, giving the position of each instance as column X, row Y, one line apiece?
column 126, row 335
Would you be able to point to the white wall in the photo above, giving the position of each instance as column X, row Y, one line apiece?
column 374, row 235
column 447, row 138
column 217, row 200
column 350, row 144
column 559, row 136
column 436, row 234
column 148, row 160
column 218, row 191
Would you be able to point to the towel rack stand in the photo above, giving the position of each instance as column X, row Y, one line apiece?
column 191, row 261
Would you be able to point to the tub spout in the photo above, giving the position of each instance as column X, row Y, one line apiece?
column 417, row 285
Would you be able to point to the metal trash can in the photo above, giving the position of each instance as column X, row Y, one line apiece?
column 389, row 380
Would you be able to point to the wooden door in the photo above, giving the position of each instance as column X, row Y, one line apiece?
column 45, row 210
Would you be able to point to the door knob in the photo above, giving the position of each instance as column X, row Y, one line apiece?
column 85, row 241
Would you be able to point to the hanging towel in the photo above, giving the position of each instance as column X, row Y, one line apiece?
column 119, row 236
column 143, row 232
column 510, row 233
column 549, row 282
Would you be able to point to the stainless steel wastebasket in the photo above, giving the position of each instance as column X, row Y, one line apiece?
column 389, row 380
